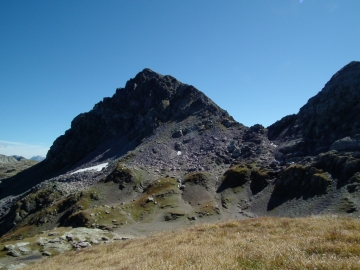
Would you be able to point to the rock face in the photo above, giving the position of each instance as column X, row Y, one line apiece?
column 147, row 101
column 174, row 157
column 350, row 143
column 331, row 115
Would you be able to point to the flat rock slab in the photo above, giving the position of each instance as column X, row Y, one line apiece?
column 55, row 243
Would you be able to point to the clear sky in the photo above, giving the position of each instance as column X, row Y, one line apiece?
column 260, row 60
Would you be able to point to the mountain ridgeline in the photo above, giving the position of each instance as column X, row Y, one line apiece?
column 171, row 156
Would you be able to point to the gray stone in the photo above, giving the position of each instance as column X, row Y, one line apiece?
column 177, row 133
column 84, row 244
column 22, row 244
column 46, row 253
column 347, row 144
column 9, row 247
column 236, row 153
column 14, row 253
column 24, row 250
column 178, row 146
column 232, row 146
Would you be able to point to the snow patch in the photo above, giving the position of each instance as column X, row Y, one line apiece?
column 93, row 168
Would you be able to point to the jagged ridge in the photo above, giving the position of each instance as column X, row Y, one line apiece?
column 147, row 101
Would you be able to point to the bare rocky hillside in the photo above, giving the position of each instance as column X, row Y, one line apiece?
column 169, row 157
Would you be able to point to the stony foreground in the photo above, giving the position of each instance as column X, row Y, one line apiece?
column 17, row 254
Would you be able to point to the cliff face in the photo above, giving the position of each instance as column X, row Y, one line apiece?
column 331, row 115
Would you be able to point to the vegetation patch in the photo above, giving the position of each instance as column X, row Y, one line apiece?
column 37, row 200
column 173, row 215
column 126, row 177
column 301, row 181
column 121, row 175
column 241, row 174
column 197, row 178
column 207, row 209
column 261, row 243
column 234, row 177
column 47, row 209
column 162, row 193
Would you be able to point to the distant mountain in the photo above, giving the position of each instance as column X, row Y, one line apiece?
column 18, row 158
column 38, row 158
column 12, row 165
column 7, row 159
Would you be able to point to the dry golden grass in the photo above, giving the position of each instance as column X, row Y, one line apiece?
column 262, row 243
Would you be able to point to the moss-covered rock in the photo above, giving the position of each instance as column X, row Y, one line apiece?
column 126, row 177
column 121, row 175
column 341, row 166
column 197, row 178
column 35, row 202
column 241, row 174
column 301, row 181
column 234, row 177
column 79, row 219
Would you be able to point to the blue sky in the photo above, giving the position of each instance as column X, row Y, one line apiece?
column 260, row 60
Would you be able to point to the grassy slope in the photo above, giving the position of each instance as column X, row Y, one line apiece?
column 262, row 243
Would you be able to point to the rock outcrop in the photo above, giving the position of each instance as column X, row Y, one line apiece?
column 331, row 115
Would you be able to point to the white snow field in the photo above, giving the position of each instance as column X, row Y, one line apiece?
column 93, row 168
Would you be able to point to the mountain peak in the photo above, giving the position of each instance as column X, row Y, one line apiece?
column 148, row 101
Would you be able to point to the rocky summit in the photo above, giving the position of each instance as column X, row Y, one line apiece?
column 160, row 154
